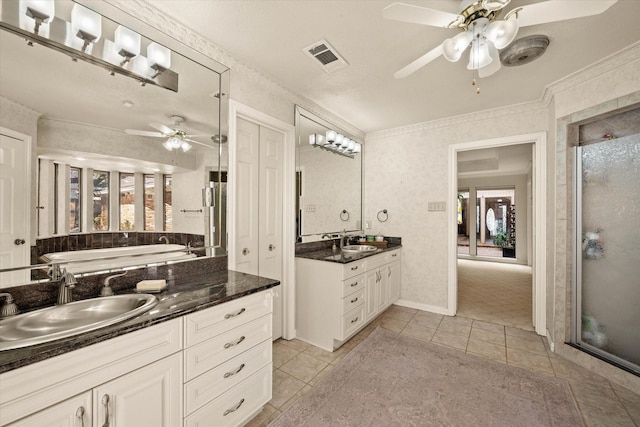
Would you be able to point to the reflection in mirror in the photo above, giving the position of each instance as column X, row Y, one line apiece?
column 329, row 183
column 110, row 159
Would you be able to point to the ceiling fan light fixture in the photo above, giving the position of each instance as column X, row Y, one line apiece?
column 453, row 48
column 502, row 33
column 480, row 56
column 494, row 5
column 185, row 146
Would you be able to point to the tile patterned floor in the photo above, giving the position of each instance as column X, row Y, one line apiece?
column 298, row 366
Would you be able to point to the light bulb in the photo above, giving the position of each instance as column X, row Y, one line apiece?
column 127, row 42
column 159, row 57
column 502, row 33
column 480, row 56
column 339, row 138
column 453, row 48
column 312, row 139
column 331, row 136
column 86, row 25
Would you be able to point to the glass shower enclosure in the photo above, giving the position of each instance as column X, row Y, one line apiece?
column 606, row 305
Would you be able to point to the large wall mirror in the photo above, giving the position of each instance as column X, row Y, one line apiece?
column 328, row 178
column 116, row 159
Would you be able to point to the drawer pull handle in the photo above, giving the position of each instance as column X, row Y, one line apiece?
column 234, row 409
column 231, row 344
column 354, row 300
column 354, row 268
column 354, row 284
column 105, row 402
column 230, row 315
column 230, row 374
column 80, row 415
column 394, row 255
column 354, row 320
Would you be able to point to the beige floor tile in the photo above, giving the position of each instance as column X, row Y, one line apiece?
column 323, row 355
column 519, row 332
column 451, row 340
column 419, row 332
column 598, row 396
column 296, row 344
column 487, row 350
column 612, row 417
column 392, row 325
column 566, row 369
column 264, row 417
column 321, row 375
column 282, row 353
column 488, row 336
column 629, row 400
column 402, row 316
column 303, row 367
column 426, row 321
column 401, row 308
column 532, row 361
column 284, row 388
column 486, row 326
column 533, row 344
column 456, row 325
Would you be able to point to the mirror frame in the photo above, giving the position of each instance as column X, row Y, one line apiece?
column 215, row 243
column 301, row 112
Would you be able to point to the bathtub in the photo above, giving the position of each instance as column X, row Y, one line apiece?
column 91, row 260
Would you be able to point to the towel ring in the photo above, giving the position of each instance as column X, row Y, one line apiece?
column 385, row 214
column 344, row 215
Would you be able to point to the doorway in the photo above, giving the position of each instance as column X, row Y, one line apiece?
column 537, row 214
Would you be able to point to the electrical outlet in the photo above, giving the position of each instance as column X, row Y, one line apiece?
column 437, row 206
column 310, row 208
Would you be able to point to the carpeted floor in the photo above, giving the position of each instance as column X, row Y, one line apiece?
column 394, row 380
column 495, row 292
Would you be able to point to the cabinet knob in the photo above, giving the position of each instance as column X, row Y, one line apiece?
column 19, row 242
column 272, row 247
column 245, row 251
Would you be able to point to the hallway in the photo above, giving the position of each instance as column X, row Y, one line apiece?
column 495, row 292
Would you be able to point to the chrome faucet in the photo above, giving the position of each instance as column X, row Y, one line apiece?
column 67, row 283
column 163, row 239
column 9, row 308
column 343, row 236
column 330, row 236
column 106, row 290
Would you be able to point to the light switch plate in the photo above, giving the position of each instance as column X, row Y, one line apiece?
column 437, row 206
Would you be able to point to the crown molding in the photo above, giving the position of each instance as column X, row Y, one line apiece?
column 149, row 14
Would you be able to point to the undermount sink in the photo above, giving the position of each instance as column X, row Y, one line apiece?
column 359, row 249
column 66, row 320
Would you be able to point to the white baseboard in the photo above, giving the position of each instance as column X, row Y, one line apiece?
column 550, row 341
column 422, row 307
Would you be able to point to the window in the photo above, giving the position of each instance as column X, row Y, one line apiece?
column 100, row 201
column 75, row 207
column 168, row 207
column 149, row 203
column 127, row 202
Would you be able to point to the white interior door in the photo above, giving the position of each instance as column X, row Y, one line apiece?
column 247, row 189
column 15, row 151
column 258, row 210
column 270, row 223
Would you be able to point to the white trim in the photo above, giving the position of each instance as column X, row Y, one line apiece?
column 539, row 219
column 422, row 307
column 238, row 110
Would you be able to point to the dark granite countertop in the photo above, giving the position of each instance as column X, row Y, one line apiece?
column 190, row 293
column 322, row 251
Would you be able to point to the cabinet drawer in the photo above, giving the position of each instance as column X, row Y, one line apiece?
column 353, row 268
column 352, row 301
column 375, row 261
column 211, row 353
column 352, row 285
column 235, row 406
column 208, row 323
column 352, row 321
column 392, row 256
column 213, row 383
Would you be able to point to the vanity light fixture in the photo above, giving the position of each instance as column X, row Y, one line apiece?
column 41, row 11
column 347, row 147
column 159, row 58
column 86, row 25
column 127, row 43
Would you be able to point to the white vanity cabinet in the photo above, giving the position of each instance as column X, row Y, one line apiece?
column 141, row 372
column 227, row 368
column 334, row 301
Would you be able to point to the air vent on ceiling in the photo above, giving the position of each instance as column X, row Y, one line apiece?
column 325, row 55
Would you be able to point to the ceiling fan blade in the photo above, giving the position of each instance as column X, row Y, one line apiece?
column 559, row 10
column 419, row 63
column 419, row 15
column 199, row 142
column 162, row 128
column 143, row 133
column 494, row 66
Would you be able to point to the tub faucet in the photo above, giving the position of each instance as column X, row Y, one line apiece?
column 9, row 308
column 68, row 282
column 163, row 239
column 106, row 290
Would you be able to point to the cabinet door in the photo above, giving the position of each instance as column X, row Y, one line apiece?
column 73, row 412
column 148, row 397
column 393, row 278
column 383, row 290
column 372, row 281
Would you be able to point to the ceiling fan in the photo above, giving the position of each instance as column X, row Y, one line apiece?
column 482, row 31
column 177, row 137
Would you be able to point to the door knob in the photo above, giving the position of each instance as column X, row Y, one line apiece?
column 271, row 247
column 19, row 242
column 245, row 251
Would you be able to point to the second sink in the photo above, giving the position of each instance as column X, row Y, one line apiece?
column 359, row 249
column 61, row 321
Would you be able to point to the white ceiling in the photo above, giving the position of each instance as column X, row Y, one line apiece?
column 269, row 35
